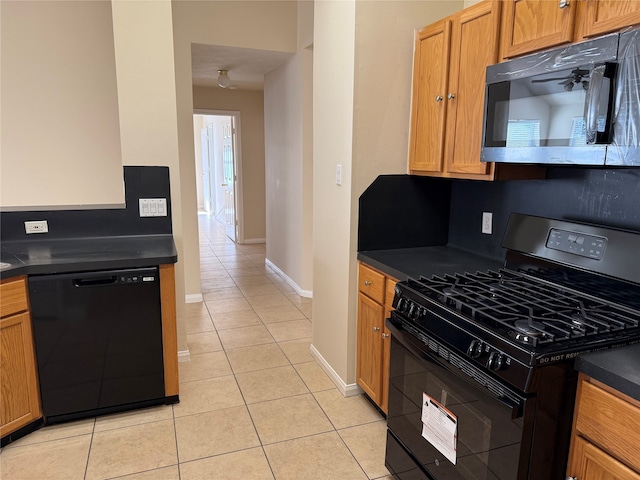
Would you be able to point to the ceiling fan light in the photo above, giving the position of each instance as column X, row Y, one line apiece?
column 223, row 78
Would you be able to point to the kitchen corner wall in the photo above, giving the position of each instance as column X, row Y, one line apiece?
column 362, row 65
column 146, row 90
column 592, row 195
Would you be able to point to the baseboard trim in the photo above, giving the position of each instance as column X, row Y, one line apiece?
column 193, row 298
column 184, row 356
column 253, row 240
column 347, row 390
column 294, row 285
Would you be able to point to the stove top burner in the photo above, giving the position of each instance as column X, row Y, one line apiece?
column 528, row 309
column 529, row 327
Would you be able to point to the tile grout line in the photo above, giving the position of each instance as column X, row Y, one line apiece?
column 290, row 364
column 93, row 431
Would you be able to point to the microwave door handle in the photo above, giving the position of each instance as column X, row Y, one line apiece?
column 592, row 105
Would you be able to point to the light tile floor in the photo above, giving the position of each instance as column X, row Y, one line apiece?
column 253, row 404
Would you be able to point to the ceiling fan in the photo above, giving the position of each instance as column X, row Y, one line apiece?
column 224, row 81
column 576, row 77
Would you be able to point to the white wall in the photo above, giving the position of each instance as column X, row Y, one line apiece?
column 333, row 107
column 289, row 159
column 362, row 82
column 60, row 140
column 288, row 171
column 146, row 90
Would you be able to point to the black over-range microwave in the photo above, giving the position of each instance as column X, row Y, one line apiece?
column 576, row 105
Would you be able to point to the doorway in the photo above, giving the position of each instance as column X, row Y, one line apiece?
column 217, row 165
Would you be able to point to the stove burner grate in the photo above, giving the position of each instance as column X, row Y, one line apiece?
column 534, row 311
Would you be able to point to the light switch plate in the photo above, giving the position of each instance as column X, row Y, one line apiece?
column 153, row 207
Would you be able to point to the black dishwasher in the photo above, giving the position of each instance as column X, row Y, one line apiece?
column 98, row 339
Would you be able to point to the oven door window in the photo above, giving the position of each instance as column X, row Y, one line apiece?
column 490, row 434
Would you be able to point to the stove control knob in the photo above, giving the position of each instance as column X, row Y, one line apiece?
column 475, row 349
column 496, row 361
column 412, row 313
column 402, row 305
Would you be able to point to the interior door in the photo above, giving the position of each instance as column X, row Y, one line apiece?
column 229, row 177
column 206, row 182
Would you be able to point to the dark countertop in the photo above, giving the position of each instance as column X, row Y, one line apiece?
column 618, row 368
column 81, row 254
column 426, row 261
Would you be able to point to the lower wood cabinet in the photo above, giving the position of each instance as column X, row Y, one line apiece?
column 375, row 295
column 19, row 395
column 605, row 443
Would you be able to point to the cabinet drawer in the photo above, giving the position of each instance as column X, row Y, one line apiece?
column 609, row 422
column 371, row 283
column 13, row 296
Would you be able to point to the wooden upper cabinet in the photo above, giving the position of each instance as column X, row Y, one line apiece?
column 447, row 114
column 531, row 25
column 474, row 47
column 450, row 62
column 597, row 17
column 428, row 109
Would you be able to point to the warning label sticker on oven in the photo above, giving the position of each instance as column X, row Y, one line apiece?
column 439, row 427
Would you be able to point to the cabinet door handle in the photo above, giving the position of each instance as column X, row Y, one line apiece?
column 367, row 283
column 438, row 98
column 451, row 96
column 385, row 335
column 563, row 4
column 376, row 329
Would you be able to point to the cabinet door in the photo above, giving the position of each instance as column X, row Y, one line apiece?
column 369, row 348
column 20, row 401
column 603, row 16
column 428, row 108
column 474, row 47
column 591, row 463
column 530, row 25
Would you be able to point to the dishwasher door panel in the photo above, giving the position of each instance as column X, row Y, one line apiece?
column 98, row 341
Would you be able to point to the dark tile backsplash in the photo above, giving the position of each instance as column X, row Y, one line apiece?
column 404, row 211
column 592, row 195
column 140, row 182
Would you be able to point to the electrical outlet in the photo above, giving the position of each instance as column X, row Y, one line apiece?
column 338, row 174
column 36, row 226
column 487, row 222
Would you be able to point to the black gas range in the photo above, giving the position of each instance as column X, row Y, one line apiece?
column 494, row 351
